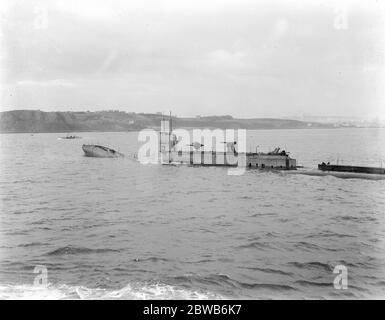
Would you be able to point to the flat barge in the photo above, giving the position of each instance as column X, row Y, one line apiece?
column 230, row 159
column 354, row 169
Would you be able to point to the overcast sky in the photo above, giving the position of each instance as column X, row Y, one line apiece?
column 244, row 58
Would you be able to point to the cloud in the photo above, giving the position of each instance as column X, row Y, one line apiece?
column 50, row 83
column 224, row 59
column 279, row 29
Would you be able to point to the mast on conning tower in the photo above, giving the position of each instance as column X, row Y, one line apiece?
column 165, row 140
column 169, row 140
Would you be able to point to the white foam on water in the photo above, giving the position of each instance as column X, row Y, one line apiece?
column 129, row 292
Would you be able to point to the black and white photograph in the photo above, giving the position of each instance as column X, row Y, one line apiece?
column 214, row 151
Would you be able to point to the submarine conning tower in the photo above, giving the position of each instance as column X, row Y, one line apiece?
column 172, row 152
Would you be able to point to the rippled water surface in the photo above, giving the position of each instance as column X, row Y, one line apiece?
column 113, row 228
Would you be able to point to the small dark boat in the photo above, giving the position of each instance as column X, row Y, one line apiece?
column 97, row 151
column 70, row 137
column 340, row 168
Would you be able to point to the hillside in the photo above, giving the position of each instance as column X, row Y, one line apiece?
column 39, row 121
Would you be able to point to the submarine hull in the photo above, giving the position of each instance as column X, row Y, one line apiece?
column 96, row 151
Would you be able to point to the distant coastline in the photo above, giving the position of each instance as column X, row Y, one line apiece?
column 36, row 121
